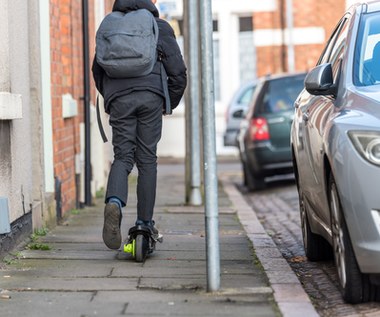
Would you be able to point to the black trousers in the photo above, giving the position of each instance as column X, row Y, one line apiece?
column 136, row 121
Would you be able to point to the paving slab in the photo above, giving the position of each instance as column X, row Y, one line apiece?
column 37, row 304
column 59, row 268
column 79, row 276
column 72, row 284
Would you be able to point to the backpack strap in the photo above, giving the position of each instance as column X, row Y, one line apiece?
column 167, row 110
column 164, row 79
column 100, row 125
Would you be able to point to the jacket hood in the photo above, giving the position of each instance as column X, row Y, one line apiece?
column 130, row 5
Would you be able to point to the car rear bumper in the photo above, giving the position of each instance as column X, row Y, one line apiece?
column 230, row 138
column 264, row 160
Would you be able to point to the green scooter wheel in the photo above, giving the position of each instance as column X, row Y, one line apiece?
column 131, row 248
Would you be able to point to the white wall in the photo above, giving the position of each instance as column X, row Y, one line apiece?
column 101, row 153
column 14, row 56
column 46, row 95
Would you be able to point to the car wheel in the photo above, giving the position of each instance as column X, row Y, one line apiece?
column 250, row 181
column 244, row 173
column 316, row 247
column 355, row 286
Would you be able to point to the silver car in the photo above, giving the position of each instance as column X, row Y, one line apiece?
column 236, row 111
column 335, row 139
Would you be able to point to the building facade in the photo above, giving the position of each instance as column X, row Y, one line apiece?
column 26, row 196
column 42, row 87
column 252, row 39
column 42, row 148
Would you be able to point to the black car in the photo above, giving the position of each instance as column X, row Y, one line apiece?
column 264, row 133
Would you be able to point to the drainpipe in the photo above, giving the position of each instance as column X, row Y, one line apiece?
column 289, row 23
column 284, row 67
column 86, row 98
column 58, row 198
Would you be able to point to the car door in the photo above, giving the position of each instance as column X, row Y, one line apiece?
column 316, row 114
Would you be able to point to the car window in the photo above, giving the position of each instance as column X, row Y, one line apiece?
column 336, row 46
column 280, row 94
column 324, row 58
column 339, row 48
column 367, row 52
column 246, row 96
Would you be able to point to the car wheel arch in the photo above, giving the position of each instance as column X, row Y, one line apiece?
column 354, row 285
column 327, row 172
column 295, row 166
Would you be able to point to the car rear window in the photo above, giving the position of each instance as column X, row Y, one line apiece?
column 279, row 94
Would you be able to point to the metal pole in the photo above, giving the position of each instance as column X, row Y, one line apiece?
column 289, row 22
column 192, row 99
column 86, row 98
column 186, row 46
column 209, row 148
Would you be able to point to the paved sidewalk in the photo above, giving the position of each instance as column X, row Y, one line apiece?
column 79, row 276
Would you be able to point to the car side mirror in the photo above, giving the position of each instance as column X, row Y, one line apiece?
column 238, row 114
column 319, row 81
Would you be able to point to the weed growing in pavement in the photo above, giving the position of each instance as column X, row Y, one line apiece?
column 75, row 211
column 12, row 258
column 41, row 232
column 9, row 260
column 35, row 245
column 100, row 193
column 38, row 246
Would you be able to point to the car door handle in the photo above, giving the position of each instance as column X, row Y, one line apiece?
column 305, row 117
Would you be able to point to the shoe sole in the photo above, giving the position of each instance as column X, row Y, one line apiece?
column 111, row 227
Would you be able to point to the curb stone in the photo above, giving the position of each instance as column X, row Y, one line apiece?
column 288, row 292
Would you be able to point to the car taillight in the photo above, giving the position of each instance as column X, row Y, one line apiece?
column 259, row 130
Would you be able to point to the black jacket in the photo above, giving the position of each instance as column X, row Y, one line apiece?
column 171, row 57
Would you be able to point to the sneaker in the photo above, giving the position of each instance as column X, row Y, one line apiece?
column 111, row 227
column 156, row 235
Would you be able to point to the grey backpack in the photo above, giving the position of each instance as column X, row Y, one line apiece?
column 126, row 46
column 126, row 43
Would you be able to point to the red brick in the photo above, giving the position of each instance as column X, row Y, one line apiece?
column 306, row 13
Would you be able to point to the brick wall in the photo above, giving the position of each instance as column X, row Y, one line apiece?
column 306, row 13
column 67, row 78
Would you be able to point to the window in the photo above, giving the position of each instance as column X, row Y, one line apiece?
column 247, row 51
column 246, row 96
column 215, row 25
column 367, row 52
column 325, row 57
column 246, row 24
column 339, row 49
column 280, row 94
